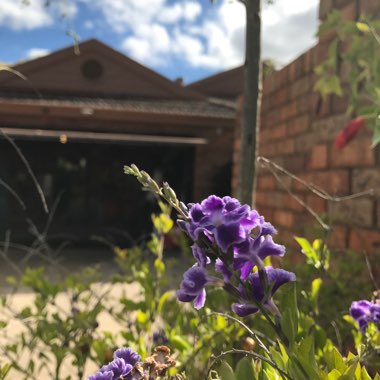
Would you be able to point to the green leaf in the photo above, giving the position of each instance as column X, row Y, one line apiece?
column 333, row 375
column 245, row 369
column 289, row 318
column 162, row 300
column 335, row 86
column 142, row 317
column 364, row 374
column 306, row 357
column 338, row 361
column 226, row 372
column 376, row 132
column 159, row 265
column 315, row 287
column 363, row 27
column 162, row 223
column 307, row 250
column 179, row 343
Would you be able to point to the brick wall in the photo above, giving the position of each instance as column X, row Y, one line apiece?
column 297, row 132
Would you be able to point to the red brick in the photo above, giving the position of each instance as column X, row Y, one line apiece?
column 327, row 36
column 275, row 199
column 316, row 203
column 278, row 132
column 308, row 62
column 341, row 3
column 292, row 71
column 305, row 142
column 283, row 219
column 298, row 125
column 325, row 7
column 281, row 97
column 337, row 237
column 295, row 163
column 261, row 198
column 357, row 153
column 325, row 107
column 369, row 7
column 357, row 211
column 365, row 240
column 339, row 104
column 291, row 203
column 332, row 181
column 366, row 179
column 321, row 53
column 349, row 12
column 293, row 250
column 266, row 182
column 267, row 150
column 266, row 212
column 318, row 157
column 303, row 104
column 285, row 147
column 273, row 118
column 289, row 110
column 282, row 77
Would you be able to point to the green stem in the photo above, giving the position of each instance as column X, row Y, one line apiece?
column 255, row 356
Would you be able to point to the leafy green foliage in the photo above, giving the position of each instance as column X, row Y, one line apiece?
column 356, row 45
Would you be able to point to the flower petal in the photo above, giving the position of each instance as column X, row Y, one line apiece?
column 200, row 299
column 228, row 234
column 242, row 310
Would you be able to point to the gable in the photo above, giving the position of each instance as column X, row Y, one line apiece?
column 97, row 71
column 228, row 84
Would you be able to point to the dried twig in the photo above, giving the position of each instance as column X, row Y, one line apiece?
column 29, row 169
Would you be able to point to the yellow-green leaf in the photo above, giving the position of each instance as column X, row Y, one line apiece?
column 363, row 27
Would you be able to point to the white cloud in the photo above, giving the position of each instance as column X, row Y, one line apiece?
column 289, row 28
column 33, row 14
column 149, row 43
column 187, row 10
column 88, row 24
column 159, row 30
column 17, row 16
column 36, row 53
column 126, row 15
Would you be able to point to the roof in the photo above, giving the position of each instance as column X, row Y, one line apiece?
column 203, row 108
column 108, row 73
column 227, row 84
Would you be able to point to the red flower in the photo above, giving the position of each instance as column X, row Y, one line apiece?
column 348, row 132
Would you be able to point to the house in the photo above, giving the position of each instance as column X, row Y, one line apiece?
column 78, row 118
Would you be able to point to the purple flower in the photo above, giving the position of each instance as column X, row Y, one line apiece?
column 375, row 313
column 361, row 312
column 251, row 252
column 128, row 355
column 200, row 256
column 223, row 270
column 118, row 367
column 193, row 286
column 224, row 220
column 364, row 312
column 102, row 376
column 256, row 293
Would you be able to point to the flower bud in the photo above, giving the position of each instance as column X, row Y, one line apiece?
column 249, row 344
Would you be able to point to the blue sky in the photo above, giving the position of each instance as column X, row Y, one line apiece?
column 178, row 38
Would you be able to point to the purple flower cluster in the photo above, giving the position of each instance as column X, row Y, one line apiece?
column 365, row 312
column 231, row 239
column 120, row 368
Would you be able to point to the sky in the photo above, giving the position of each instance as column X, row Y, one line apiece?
column 190, row 39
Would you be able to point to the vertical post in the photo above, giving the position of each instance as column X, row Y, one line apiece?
column 252, row 101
